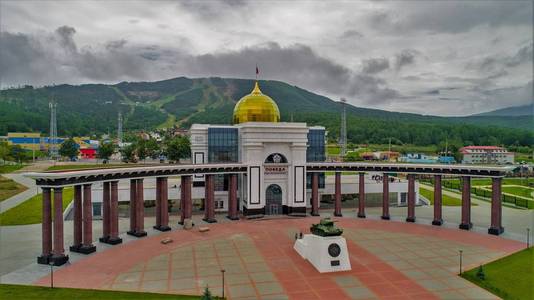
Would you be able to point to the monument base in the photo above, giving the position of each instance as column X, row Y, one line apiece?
column 325, row 253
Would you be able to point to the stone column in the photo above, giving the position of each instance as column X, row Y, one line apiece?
column 133, row 201
column 232, row 198
column 158, row 203
column 437, row 201
column 466, row 204
column 105, row 212
column 140, row 209
column 182, row 199
column 87, row 246
column 385, row 197
column 114, row 214
column 78, row 217
column 209, row 200
column 46, row 228
column 188, row 201
column 162, row 202
column 315, row 194
column 361, row 195
column 58, row 253
column 496, row 207
column 337, row 196
column 411, row 198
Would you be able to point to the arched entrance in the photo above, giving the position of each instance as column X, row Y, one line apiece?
column 273, row 200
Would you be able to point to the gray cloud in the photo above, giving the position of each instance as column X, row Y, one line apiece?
column 450, row 16
column 375, row 65
column 55, row 58
column 498, row 62
column 404, row 58
column 118, row 60
column 65, row 35
column 482, row 49
column 352, row 34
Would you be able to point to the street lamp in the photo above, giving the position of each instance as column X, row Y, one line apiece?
column 461, row 262
column 222, row 271
column 51, row 263
column 528, row 237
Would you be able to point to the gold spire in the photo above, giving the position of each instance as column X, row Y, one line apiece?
column 256, row 107
column 256, row 89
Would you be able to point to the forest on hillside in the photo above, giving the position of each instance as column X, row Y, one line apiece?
column 92, row 109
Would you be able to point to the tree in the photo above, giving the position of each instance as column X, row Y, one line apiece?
column 480, row 273
column 17, row 153
column 128, row 153
column 105, row 150
column 4, row 151
column 177, row 148
column 152, row 148
column 142, row 149
column 69, row 149
column 207, row 294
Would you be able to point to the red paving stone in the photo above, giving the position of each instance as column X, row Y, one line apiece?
column 299, row 279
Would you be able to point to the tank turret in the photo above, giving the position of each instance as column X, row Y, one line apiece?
column 326, row 227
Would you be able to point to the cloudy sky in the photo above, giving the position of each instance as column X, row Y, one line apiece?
column 440, row 58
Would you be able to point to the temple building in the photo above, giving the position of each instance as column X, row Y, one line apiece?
column 275, row 153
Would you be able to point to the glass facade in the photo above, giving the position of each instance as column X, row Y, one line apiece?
column 222, row 148
column 316, row 145
column 316, row 153
column 222, row 145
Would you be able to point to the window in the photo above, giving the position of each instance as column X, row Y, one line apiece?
column 403, row 198
column 222, row 145
column 97, row 209
column 316, row 145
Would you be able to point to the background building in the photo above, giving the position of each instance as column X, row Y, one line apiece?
column 486, row 155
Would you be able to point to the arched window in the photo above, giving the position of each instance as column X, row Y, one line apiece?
column 276, row 158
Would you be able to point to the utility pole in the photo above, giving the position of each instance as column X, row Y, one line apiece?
column 343, row 131
column 119, row 129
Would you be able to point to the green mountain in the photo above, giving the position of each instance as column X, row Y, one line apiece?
column 93, row 109
column 514, row 111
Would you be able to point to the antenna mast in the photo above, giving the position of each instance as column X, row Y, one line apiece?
column 52, row 142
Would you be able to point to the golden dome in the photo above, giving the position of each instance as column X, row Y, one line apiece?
column 256, row 107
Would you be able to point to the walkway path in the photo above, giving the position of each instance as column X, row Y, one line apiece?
column 453, row 194
column 403, row 261
column 18, row 177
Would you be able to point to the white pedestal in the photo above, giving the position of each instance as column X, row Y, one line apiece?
column 326, row 254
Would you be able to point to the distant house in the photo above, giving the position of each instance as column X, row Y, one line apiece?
column 88, row 153
column 486, row 155
column 418, row 158
column 380, row 155
column 446, row 160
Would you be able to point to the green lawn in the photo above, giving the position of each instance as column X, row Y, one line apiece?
column 333, row 150
column 30, row 211
column 446, row 199
column 10, row 168
column 518, row 191
column 9, row 188
column 8, row 291
column 511, row 277
column 487, row 181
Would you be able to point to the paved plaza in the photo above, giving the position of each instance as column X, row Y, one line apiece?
column 390, row 260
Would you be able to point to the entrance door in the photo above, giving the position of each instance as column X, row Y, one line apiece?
column 273, row 200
